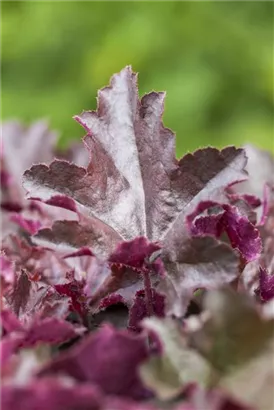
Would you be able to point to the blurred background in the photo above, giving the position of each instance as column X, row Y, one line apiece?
column 214, row 59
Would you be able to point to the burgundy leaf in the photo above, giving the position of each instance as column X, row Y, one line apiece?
column 49, row 330
column 266, row 285
column 81, row 252
column 39, row 263
column 22, row 293
column 110, row 300
column 137, row 255
column 252, row 200
column 9, row 321
column 8, row 346
column 139, row 309
column 109, row 359
column 29, row 298
column 68, row 236
column 243, row 235
column 224, row 218
column 134, row 265
column 74, row 290
column 133, row 185
column 30, row 226
column 204, row 263
column 50, row 394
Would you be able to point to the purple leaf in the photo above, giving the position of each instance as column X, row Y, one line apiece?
column 109, row 359
column 266, row 285
column 134, row 186
column 136, row 254
column 203, row 263
column 68, row 236
column 29, row 298
column 224, row 218
column 9, row 321
column 252, row 200
column 74, row 290
column 49, row 331
column 50, row 394
column 39, row 263
column 8, row 346
column 134, row 265
column 140, row 310
column 30, row 226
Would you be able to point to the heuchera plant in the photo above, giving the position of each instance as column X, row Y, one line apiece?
column 130, row 279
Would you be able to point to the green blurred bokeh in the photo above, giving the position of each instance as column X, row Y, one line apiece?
column 214, row 59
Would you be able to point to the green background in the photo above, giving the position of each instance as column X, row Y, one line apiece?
column 214, row 59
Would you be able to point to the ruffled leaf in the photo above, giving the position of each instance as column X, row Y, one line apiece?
column 141, row 310
column 134, row 184
column 211, row 218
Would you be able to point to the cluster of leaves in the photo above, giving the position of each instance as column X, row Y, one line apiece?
column 131, row 280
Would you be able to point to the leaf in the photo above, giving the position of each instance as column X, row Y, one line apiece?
column 50, row 331
column 253, row 382
column 156, row 187
column 199, row 263
column 260, row 168
column 266, row 285
column 68, row 236
column 178, row 364
column 29, row 225
column 133, row 266
column 9, row 321
column 226, row 218
column 74, row 290
column 29, row 298
column 235, row 332
column 8, row 346
column 46, row 331
column 134, row 186
column 108, row 358
column 22, row 149
column 39, row 263
column 50, row 394
column 140, row 310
